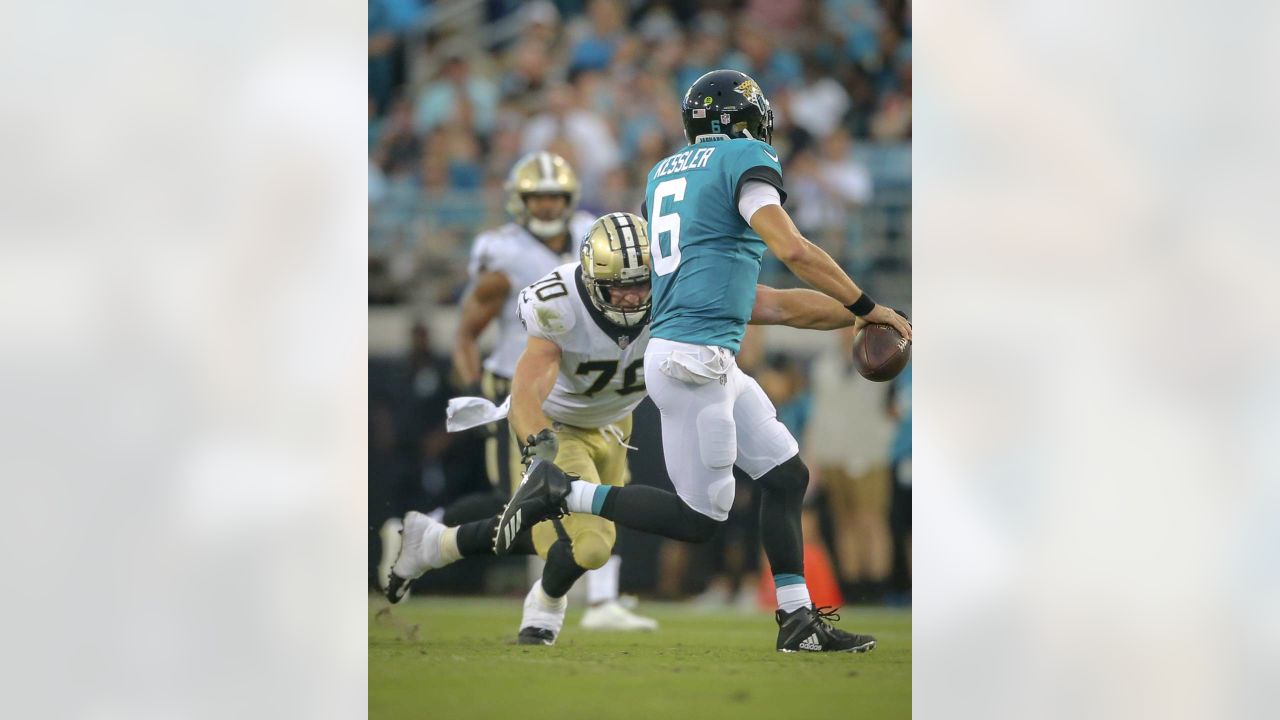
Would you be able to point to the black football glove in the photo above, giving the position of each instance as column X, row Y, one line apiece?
column 543, row 445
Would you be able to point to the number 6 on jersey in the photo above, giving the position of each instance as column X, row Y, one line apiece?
column 666, row 227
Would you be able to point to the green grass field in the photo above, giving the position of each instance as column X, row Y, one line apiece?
column 460, row 662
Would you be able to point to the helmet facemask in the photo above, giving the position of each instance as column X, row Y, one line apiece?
column 599, row 292
column 615, row 254
column 541, row 173
column 546, row 229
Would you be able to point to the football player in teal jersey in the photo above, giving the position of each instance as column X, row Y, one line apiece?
column 713, row 207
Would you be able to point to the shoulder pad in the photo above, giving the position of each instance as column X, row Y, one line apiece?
column 546, row 307
column 497, row 249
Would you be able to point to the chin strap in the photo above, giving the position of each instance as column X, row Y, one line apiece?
column 546, row 228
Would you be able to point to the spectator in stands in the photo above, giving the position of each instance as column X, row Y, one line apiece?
column 458, row 95
column 847, row 178
column 595, row 45
column 652, row 112
column 408, row 442
column 462, row 153
column 783, row 16
column 389, row 20
column 828, row 183
column 858, row 23
column 825, row 101
column 847, row 442
column 594, row 149
column 377, row 184
column 756, row 54
column 525, row 75
column 398, row 149
column 892, row 121
column 706, row 50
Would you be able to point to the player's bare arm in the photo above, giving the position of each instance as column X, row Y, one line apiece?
column 813, row 265
column 479, row 307
column 534, row 379
column 800, row 308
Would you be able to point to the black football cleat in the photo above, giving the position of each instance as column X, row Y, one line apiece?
column 536, row 636
column 807, row 630
column 540, row 495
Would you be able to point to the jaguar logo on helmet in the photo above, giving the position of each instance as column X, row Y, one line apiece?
column 615, row 253
column 751, row 91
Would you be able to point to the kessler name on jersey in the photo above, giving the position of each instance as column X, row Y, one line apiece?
column 695, row 159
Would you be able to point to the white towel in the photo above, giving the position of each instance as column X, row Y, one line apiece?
column 465, row 413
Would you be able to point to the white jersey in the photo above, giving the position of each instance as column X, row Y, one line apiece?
column 514, row 252
column 601, row 376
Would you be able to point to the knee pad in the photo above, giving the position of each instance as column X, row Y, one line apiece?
column 791, row 476
column 591, row 549
column 717, row 436
column 721, row 495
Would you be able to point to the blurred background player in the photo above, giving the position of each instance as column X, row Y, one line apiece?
column 542, row 199
column 542, row 193
column 714, row 206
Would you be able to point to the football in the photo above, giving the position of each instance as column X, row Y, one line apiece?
column 880, row 352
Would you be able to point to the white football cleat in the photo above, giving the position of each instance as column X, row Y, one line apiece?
column 612, row 615
column 542, row 619
column 419, row 552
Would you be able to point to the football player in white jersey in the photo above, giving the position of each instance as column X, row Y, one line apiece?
column 542, row 199
column 575, row 386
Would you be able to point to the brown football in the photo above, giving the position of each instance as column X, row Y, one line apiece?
column 880, row 352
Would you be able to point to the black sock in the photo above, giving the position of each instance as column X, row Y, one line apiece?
column 655, row 511
column 477, row 506
column 781, row 497
column 560, row 572
column 476, row 538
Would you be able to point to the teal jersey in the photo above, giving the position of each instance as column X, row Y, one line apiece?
column 706, row 258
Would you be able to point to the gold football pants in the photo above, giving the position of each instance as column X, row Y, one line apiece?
column 598, row 458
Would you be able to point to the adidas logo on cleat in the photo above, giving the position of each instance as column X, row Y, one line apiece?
column 513, row 529
column 811, row 643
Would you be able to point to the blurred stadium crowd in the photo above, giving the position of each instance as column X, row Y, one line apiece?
column 459, row 90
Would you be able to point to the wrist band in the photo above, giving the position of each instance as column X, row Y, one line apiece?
column 863, row 305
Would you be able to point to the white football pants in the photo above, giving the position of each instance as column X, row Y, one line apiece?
column 714, row 416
